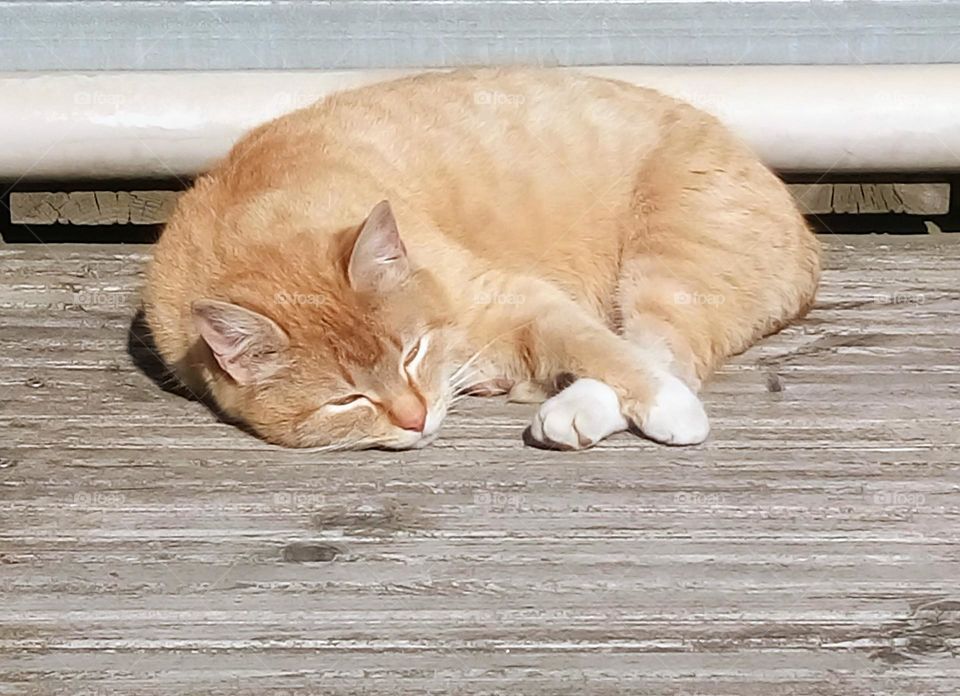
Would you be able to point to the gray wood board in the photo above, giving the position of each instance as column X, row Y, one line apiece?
column 809, row 547
column 313, row 34
column 154, row 207
column 95, row 207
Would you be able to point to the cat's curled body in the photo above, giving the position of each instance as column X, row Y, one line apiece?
column 539, row 226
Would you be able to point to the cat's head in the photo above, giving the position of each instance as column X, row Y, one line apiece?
column 352, row 351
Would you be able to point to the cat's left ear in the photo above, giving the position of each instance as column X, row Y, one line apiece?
column 247, row 345
column 379, row 260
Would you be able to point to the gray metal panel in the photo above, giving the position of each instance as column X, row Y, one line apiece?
column 165, row 34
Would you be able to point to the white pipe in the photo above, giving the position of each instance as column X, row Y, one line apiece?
column 814, row 118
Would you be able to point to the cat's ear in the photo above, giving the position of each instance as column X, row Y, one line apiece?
column 247, row 345
column 379, row 260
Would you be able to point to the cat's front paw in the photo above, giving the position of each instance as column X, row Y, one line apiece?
column 578, row 417
column 676, row 416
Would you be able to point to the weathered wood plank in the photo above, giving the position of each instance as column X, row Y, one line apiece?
column 809, row 547
column 91, row 207
column 930, row 199
column 155, row 207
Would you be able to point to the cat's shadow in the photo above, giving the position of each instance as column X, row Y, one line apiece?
column 145, row 356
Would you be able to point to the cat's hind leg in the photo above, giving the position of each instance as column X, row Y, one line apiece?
column 713, row 263
column 695, row 315
column 550, row 338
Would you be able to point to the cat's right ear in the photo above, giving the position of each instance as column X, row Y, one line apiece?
column 247, row 345
column 379, row 261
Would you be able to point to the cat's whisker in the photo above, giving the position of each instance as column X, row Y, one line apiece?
column 463, row 370
column 461, row 379
column 469, row 362
column 464, row 381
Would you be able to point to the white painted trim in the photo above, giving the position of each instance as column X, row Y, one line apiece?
column 815, row 118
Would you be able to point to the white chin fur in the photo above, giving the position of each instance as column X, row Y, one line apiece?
column 434, row 420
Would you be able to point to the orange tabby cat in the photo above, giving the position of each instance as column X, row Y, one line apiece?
column 352, row 266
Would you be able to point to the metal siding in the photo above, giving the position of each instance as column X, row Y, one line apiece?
column 167, row 35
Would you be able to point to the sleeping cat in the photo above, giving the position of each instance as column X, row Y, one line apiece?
column 351, row 268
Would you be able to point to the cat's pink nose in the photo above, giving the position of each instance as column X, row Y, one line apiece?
column 408, row 412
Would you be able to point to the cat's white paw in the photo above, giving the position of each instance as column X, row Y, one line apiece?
column 677, row 416
column 578, row 417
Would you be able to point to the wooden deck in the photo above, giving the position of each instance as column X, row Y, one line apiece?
column 812, row 546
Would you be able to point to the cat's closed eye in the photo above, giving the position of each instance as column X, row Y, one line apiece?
column 346, row 402
column 415, row 355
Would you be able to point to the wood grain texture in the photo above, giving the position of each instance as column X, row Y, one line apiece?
column 915, row 199
column 91, row 207
column 811, row 546
column 155, row 207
